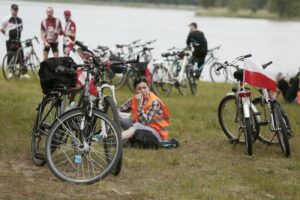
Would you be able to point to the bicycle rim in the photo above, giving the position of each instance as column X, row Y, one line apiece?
column 218, row 76
column 11, row 70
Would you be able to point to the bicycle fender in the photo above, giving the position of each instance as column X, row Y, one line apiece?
column 246, row 107
column 254, row 110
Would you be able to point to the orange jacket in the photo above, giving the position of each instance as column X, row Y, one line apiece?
column 161, row 123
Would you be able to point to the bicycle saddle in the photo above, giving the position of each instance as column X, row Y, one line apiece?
column 166, row 54
column 120, row 45
column 103, row 48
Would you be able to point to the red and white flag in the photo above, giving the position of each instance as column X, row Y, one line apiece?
column 259, row 77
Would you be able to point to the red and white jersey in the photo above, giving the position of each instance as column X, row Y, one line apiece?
column 52, row 28
column 70, row 27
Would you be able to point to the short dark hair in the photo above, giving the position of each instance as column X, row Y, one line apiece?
column 14, row 7
column 194, row 24
column 141, row 79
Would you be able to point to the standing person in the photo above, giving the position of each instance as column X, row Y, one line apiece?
column 50, row 30
column 198, row 40
column 69, row 33
column 13, row 25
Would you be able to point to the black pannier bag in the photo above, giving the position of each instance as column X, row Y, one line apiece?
column 50, row 78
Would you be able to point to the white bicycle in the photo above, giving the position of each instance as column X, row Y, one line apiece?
column 176, row 71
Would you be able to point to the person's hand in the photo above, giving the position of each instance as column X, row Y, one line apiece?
column 139, row 98
column 47, row 44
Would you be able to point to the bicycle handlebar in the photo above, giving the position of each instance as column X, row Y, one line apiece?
column 264, row 66
column 234, row 61
column 83, row 47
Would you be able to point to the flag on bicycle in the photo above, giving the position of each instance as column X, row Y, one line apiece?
column 258, row 77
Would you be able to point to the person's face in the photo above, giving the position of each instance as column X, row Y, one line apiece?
column 50, row 13
column 67, row 17
column 142, row 88
column 192, row 28
column 14, row 12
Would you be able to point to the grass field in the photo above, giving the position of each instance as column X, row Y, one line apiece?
column 205, row 166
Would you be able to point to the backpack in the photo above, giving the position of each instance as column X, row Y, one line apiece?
column 50, row 79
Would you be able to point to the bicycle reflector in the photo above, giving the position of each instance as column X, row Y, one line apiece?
column 245, row 94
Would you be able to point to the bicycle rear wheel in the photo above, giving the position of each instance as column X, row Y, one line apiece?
column 11, row 68
column 192, row 81
column 110, row 108
column 118, row 79
column 47, row 113
column 132, row 75
column 78, row 158
column 161, row 84
column 281, row 130
column 218, row 76
column 34, row 64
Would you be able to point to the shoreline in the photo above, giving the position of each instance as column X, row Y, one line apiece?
column 199, row 11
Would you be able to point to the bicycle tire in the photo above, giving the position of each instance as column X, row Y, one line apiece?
column 34, row 65
column 59, row 140
column 119, row 82
column 214, row 73
column 40, row 130
column 109, row 103
column 248, row 134
column 192, row 81
column 158, row 85
column 282, row 131
column 16, row 73
column 131, row 75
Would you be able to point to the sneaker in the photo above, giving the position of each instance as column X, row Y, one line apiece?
column 97, row 137
column 25, row 76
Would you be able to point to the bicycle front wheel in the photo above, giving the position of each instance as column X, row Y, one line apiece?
column 281, row 131
column 83, row 158
column 132, row 75
column 248, row 135
column 218, row 76
column 161, row 84
column 11, row 68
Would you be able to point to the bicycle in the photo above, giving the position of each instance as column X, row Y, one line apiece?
column 241, row 126
column 13, row 64
column 168, row 74
column 72, row 153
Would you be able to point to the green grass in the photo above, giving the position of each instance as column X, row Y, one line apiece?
column 205, row 166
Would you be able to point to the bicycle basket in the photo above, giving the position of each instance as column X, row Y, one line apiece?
column 28, row 43
column 50, row 79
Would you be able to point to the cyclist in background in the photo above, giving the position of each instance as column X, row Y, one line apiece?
column 13, row 25
column 200, row 49
column 50, row 30
column 69, row 33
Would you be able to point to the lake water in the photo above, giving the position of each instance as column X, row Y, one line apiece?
column 105, row 25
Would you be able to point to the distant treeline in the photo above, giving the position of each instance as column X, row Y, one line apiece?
column 284, row 8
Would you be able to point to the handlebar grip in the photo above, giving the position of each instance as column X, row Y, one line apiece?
column 136, row 41
column 220, row 67
column 248, row 56
column 264, row 66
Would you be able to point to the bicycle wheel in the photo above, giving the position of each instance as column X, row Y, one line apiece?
column 34, row 65
column 281, row 130
column 229, row 119
column 77, row 158
column 110, row 108
column 118, row 79
column 161, row 84
column 47, row 113
column 11, row 68
column 265, row 135
column 192, row 81
column 248, row 135
column 131, row 76
column 218, row 76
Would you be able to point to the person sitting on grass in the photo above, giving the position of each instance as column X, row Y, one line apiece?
column 150, row 122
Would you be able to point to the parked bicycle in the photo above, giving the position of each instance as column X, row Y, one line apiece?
column 176, row 71
column 241, row 120
column 13, row 64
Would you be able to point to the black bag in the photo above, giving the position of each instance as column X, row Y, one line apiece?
column 144, row 139
column 50, row 79
column 140, row 67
